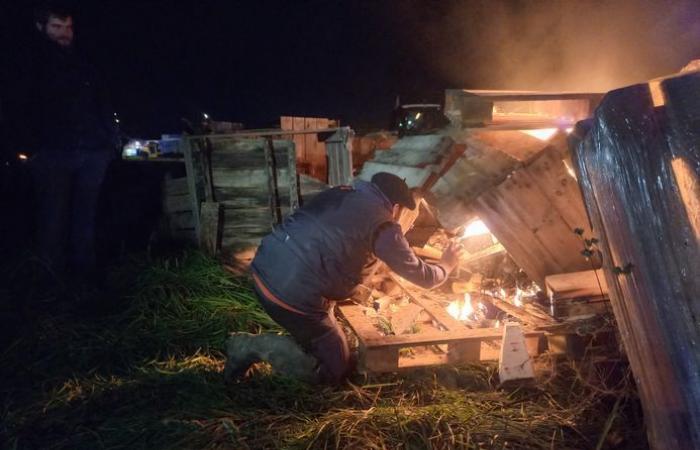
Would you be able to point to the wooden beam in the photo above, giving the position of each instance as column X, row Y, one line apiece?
column 211, row 222
column 266, row 133
column 515, row 96
column 441, row 337
column 272, row 184
column 340, row 157
column 293, row 178
column 519, row 313
column 433, row 253
column 195, row 198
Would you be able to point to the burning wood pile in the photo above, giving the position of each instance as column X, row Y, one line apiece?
column 501, row 183
column 465, row 316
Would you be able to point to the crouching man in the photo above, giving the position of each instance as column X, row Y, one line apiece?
column 317, row 256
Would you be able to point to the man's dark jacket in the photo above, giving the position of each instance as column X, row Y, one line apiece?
column 322, row 250
column 59, row 104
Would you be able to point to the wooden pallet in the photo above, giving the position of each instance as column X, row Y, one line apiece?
column 380, row 353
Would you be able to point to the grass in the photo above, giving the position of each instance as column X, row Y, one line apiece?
column 138, row 365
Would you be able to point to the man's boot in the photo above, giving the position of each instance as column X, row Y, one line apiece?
column 282, row 352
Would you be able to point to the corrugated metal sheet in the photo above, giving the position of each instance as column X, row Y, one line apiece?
column 519, row 186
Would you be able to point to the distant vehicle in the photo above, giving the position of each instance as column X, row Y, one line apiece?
column 418, row 118
column 140, row 149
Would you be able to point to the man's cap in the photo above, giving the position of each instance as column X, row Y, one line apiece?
column 394, row 188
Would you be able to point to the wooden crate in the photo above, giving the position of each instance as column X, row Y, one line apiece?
column 459, row 344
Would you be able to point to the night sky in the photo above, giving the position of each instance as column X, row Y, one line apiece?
column 254, row 61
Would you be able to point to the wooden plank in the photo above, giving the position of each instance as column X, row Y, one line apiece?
column 235, row 145
column 287, row 123
column 514, row 143
column 440, row 337
column 249, row 158
column 504, row 95
column 426, row 359
column 358, row 321
column 533, row 233
column 548, row 226
column 245, row 178
column 211, row 220
column 181, row 220
column 272, row 183
column 292, row 178
column 339, row 158
column 175, row 186
column 463, row 352
column 316, row 160
column 519, row 313
column 299, row 140
column 177, row 203
column 237, row 198
column 561, row 189
column 380, row 359
column 625, row 167
column 587, row 283
column 205, row 169
column 195, row 197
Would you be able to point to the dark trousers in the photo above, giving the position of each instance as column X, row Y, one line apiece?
column 67, row 188
column 319, row 334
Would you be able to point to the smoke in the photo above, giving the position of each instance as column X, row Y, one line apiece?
column 574, row 45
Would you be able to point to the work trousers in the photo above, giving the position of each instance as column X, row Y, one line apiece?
column 67, row 188
column 319, row 334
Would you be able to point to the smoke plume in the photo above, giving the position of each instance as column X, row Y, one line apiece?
column 556, row 45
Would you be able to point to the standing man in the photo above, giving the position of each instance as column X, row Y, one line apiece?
column 319, row 255
column 69, row 127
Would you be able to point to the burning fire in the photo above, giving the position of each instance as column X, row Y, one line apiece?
column 475, row 228
column 518, row 297
column 461, row 309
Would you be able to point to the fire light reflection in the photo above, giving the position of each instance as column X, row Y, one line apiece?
column 543, row 134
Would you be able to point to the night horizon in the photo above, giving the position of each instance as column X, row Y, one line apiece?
column 253, row 62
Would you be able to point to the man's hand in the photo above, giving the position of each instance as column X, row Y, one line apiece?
column 451, row 256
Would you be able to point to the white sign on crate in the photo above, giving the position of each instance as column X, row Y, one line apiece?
column 515, row 362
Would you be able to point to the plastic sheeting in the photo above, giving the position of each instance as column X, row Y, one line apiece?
column 639, row 171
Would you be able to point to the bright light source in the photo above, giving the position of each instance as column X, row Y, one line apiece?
column 22, row 156
column 461, row 309
column 543, row 134
column 475, row 228
column 569, row 130
column 205, row 115
column 518, row 297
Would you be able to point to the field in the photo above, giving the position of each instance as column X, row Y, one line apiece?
column 137, row 364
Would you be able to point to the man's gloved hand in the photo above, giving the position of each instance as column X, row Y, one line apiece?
column 451, row 256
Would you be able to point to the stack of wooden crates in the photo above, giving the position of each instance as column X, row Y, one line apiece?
column 241, row 186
